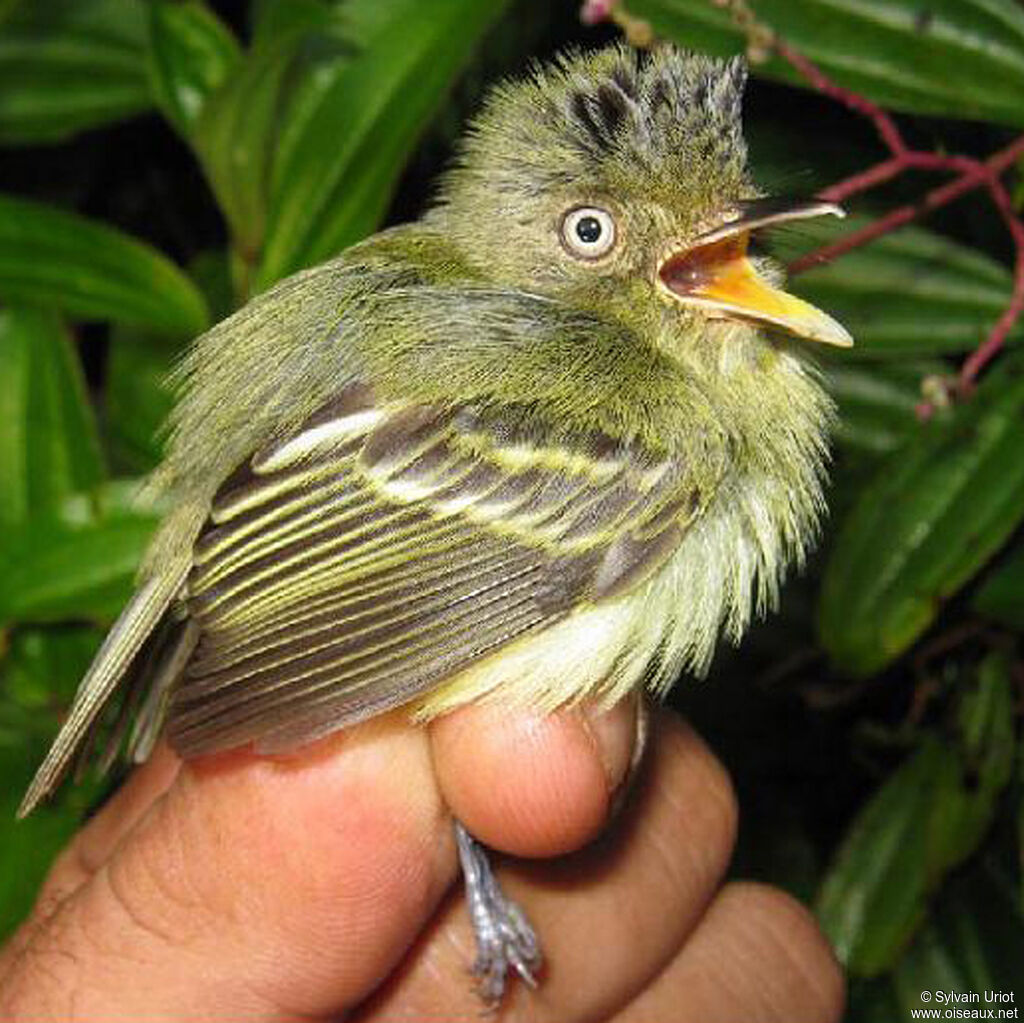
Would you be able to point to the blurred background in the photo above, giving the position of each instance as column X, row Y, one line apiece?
column 162, row 161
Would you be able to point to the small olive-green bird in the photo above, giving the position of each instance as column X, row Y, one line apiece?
column 543, row 445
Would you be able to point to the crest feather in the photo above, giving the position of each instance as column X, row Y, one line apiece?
column 597, row 116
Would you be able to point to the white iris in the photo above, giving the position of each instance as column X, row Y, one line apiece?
column 588, row 232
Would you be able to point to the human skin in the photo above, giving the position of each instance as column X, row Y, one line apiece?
column 322, row 886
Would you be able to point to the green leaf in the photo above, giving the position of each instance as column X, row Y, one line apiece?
column 938, row 508
column 971, row 943
column 874, row 895
column 69, row 65
column 27, row 847
column 191, row 54
column 235, row 135
column 912, row 292
column 877, row 402
column 333, row 179
column 138, row 399
column 871, row 1001
column 929, row 816
column 955, row 58
column 7, row 8
column 38, row 676
column 211, row 271
column 48, row 440
column 1019, row 822
column 1001, row 596
column 273, row 19
column 60, row 260
column 80, row 566
column 985, row 751
column 986, row 723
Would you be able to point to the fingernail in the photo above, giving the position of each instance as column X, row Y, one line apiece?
column 613, row 732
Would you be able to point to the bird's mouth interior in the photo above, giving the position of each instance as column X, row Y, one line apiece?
column 715, row 276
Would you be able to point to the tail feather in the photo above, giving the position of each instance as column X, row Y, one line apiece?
column 150, row 719
column 131, row 630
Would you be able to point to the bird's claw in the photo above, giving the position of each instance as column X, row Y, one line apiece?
column 504, row 938
column 506, row 942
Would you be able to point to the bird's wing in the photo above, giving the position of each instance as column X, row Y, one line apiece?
column 377, row 551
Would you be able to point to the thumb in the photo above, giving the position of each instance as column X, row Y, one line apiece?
column 251, row 889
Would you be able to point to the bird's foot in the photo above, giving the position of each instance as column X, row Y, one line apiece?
column 505, row 940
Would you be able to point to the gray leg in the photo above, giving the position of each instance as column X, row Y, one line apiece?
column 504, row 938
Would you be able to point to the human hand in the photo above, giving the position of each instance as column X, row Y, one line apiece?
column 321, row 886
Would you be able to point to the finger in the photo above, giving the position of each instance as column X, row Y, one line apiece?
column 99, row 837
column 610, row 918
column 757, row 955
column 95, row 841
column 533, row 784
column 104, row 836
column 253, row 889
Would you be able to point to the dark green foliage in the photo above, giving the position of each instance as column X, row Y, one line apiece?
column 68, row 65
column 873, row 726
column 956, row 58
column 939, row 506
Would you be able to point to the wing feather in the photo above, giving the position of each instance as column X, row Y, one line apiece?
column 377, row 551
column 351, row 627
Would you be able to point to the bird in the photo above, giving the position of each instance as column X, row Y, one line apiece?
column 548, row 443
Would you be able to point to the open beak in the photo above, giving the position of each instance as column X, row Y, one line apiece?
column 714, row 274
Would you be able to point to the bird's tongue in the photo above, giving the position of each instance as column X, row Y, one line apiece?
column 719, row 279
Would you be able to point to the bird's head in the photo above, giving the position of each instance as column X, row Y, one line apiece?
column 618, row 181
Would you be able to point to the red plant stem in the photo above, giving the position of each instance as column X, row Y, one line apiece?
column 975, row 173
column 972, row 174
column 877, row 174
column 990, row 347
column 883, row 122
column 914, row 159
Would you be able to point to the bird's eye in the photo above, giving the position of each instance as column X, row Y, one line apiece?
column 588, row 232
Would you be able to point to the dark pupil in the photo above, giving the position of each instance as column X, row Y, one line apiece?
column 588, row 230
